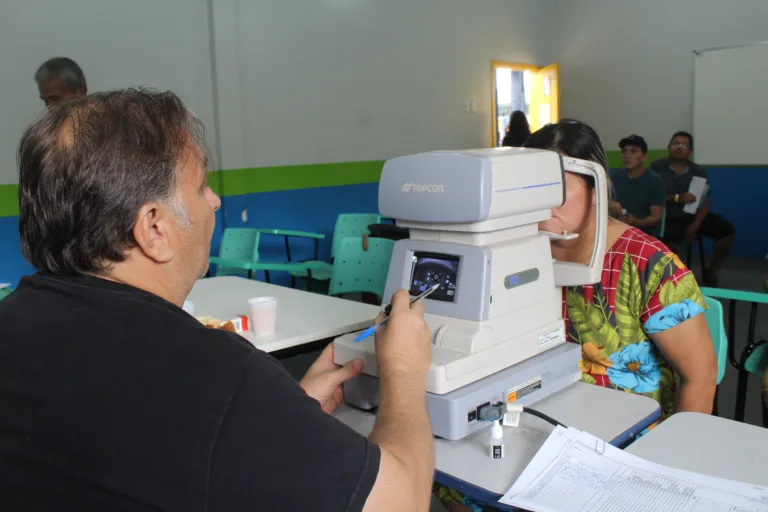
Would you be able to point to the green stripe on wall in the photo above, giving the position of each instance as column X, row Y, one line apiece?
column 614, row 157
column 237, row 182
column 9, row 200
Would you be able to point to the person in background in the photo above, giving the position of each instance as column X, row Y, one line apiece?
column 641, row 328
column 117, row 399
column 517, row 130
column 677, row 171
column 60, row 78
column 640, row 194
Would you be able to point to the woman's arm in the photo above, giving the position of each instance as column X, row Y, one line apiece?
column 688, row 348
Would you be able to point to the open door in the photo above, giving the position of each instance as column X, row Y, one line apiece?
column 548, row 81
column 531, row 89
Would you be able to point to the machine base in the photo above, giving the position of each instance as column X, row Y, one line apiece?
column 456, row 414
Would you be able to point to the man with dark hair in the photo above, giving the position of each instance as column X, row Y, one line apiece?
column 60, row 78
column 114, row 398
column 678, row 170
column 639, row 192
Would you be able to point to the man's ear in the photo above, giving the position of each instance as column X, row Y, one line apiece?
column 151, row 232
column 82, row 91
column 645, row 158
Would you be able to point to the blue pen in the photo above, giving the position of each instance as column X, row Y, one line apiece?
column 372, row 329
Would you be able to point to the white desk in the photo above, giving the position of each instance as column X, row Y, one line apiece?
column 709, row 445
column 302, row 317
column 465, row 465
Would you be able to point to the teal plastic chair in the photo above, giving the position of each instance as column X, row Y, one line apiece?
column 356, row 270
column 4, row 292
column 347, row 225
column 239, row 253
column 754, row 358
column 716, row 324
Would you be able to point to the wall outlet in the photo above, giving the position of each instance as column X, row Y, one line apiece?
column 466, row 106
column 244, row 216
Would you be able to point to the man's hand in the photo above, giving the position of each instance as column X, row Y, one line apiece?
column 691, row 232
column 629, row 219
column 324, row 378
column 687, row 198
column 404, row 343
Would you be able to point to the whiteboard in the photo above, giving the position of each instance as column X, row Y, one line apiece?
column 730, row 105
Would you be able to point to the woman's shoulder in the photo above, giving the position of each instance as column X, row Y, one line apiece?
column 638, row 244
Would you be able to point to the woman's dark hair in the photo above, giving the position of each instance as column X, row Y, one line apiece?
column 572, row 138
column 518, row 130
column 86, row 168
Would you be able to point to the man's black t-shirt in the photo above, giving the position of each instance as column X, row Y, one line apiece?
column 114, row 399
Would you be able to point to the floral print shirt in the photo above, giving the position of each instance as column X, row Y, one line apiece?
column 644, row 289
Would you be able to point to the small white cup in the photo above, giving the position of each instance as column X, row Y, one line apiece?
column 263, row 315
column 189, row 307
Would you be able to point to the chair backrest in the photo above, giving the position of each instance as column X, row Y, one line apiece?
column 663, row 223
column 356, row 270
column 239, row 244
column 4, row 292
column 353, row 225
column 714, row 316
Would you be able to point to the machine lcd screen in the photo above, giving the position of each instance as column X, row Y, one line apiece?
column 429, row 269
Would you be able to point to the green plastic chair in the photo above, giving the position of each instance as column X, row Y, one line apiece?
column 356, row 270
column 663, row 224
column 239, row 253
column 4, row 292
column 754, row 357
column 716, row 324
column 347, row 225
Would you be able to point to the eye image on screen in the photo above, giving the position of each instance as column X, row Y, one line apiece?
column 430, row 269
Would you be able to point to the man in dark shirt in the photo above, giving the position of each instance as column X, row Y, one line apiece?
column 114, row 398
column 678, row 171
column 639, row 192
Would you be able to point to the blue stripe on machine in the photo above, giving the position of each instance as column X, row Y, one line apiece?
column 526, row 187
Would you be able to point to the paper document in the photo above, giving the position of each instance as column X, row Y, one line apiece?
column 4, row 285
column 576, row 472
column 698, row 184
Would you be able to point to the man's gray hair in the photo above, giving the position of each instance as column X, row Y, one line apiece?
column 63, row 67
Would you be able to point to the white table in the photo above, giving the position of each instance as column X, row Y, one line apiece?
column 302, row 317
column 465, row 465
column 709, row 445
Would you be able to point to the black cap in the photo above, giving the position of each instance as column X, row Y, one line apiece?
column 634, row 140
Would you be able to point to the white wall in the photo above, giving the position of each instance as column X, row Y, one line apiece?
column 340, row 80
column 626, row 66
column 118, row 43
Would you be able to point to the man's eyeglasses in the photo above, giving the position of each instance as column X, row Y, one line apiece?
column 681, row 145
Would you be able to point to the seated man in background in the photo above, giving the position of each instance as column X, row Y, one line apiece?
column 639, row 193
column 114, row 398
column 60, row 78
column 677, row 171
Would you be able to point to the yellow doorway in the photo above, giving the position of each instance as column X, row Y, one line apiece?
column 532, row 89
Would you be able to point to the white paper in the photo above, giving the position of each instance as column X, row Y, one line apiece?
column 4, row 285
column 576, row 472
column 697, row 189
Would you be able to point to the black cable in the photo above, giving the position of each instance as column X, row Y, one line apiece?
column 548, row 419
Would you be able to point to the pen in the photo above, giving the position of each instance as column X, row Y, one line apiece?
column 372, row 329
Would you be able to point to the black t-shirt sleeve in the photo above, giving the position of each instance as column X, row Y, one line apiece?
column 277, row 450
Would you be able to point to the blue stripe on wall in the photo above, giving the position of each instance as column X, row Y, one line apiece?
column 737, row 193
column 12, row 263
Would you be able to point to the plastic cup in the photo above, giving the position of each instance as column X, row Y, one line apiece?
column 263, row 315
column 189, row 307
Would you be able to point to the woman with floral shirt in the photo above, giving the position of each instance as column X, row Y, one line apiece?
column 641, row 328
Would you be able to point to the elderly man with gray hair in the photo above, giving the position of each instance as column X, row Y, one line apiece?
column 58, row 79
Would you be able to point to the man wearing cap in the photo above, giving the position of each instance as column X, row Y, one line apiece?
column 639, row 193
column 677, row 171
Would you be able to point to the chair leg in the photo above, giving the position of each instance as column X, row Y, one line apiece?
column 741, row 395
column 704, row 273
column 765, row 412
column 266, row 277
column 690, row 255
column 714, row 404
